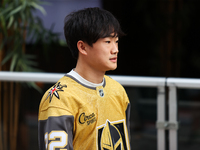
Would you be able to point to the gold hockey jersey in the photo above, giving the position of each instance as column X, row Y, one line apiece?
column 73, row 115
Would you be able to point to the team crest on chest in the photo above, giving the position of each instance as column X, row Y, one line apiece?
column 112, row 136
column 55, row 91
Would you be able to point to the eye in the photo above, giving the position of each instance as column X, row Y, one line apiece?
column 117, row 41
column 107, row 41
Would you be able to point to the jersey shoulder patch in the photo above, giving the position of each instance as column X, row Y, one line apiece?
column 55, row 90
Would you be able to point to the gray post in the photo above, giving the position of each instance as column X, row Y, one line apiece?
column 161, row 118
column 173, row 140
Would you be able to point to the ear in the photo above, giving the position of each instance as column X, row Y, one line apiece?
column 82, row 47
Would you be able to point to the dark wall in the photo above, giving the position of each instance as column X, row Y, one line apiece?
column 162, row 37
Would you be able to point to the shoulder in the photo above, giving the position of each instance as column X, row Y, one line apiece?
column 111, row 82
column 116, row 88
column 59, row 96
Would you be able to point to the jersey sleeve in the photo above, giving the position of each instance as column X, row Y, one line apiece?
column 127, row 112
column 128, row 109
column 55, row 119
column 56, row 133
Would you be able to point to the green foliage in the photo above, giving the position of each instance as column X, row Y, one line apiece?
column 17, row 24
column 16, row 18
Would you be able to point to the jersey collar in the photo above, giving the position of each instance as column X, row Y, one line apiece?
column 74, row 75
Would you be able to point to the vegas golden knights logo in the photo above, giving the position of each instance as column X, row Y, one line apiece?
column 112, row 136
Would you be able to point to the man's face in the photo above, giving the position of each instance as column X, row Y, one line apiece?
column 102, row 56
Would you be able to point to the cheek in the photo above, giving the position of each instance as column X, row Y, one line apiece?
column 101, row 54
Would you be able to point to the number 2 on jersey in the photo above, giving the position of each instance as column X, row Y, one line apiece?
column 58, row 140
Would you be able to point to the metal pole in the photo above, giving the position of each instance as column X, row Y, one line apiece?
column 161, row 118
column 173, row 138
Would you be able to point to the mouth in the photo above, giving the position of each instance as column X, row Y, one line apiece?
column 113, row 59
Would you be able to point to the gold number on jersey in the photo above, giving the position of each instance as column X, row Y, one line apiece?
column 58, row 140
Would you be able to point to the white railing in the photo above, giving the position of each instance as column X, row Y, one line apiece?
column 158, row 82
column 173, row 84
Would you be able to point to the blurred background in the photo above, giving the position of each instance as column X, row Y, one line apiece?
column 162, row 41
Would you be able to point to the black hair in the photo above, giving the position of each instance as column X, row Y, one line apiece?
column 89, row 25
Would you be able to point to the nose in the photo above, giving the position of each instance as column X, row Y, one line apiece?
column 115, row 49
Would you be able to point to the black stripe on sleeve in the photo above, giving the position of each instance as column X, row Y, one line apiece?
column 128, row 110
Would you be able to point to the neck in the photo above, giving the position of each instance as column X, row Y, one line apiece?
column 89, row 74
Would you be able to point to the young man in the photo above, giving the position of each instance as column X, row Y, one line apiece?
column 85, row 109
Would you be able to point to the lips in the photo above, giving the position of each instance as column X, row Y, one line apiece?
column 113, row 59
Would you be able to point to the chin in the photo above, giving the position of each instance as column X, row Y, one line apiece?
column 112, row 68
